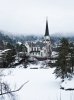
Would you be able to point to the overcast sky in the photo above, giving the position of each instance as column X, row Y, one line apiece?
column 29, row 16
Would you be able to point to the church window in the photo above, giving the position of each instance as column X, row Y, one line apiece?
column 34, row 48
column 41, row 54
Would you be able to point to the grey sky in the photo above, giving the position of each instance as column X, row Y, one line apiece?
column 29, row 16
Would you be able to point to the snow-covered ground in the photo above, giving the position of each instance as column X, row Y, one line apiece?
column 68, row 84
column 42, row 84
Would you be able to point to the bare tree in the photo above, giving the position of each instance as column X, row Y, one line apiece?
column 6, row 90
column 5, row 87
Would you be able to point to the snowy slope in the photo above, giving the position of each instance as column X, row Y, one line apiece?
column 42, row 85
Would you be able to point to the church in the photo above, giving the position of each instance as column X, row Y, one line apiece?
column 40, row 48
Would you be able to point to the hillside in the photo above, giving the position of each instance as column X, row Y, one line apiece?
column 4, row 39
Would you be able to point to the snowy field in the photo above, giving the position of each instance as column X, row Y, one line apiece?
column 42, row 85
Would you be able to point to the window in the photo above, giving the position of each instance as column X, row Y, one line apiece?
column 34, row 48
column 38, row 53
column 37, row 48
column 41, row 54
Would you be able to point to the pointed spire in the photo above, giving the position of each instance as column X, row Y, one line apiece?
column 47, row 29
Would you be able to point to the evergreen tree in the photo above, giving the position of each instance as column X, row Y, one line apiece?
column 21, row 48
column 63, row 66
column 7, row 56
column 9, row 46
column 10, row 57
column 72, row 56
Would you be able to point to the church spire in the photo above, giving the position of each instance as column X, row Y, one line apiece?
column 47, row 29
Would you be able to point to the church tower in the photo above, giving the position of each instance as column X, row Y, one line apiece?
column 47, row 40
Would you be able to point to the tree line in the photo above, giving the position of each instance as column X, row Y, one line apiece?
column 10, row 53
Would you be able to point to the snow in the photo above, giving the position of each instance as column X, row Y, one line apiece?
column 42, row 84
column 20, row 66
column 68, row 84
column 5, row 50
column 19, row 43
column 54, row 54
column 37, row 66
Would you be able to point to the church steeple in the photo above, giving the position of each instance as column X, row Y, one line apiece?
column 47, row 29
column 47, row 36
column 47, row 40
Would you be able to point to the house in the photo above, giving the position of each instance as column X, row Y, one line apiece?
column 40, row 48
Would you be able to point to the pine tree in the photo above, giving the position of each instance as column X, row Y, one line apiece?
column 8, row 58
column 21, row 48
column 63, row 61
column 72, row 56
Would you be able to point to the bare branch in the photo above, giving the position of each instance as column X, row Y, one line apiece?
column 1, row 89
column 15, row 90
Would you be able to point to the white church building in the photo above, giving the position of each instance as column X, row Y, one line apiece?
column 40, row 48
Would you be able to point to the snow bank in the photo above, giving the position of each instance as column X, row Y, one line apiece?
column 68, row 84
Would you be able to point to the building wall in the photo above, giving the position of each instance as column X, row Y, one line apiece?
column 37, row 51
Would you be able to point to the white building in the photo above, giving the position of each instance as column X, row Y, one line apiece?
column 40, row 48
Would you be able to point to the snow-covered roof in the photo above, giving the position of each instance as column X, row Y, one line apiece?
column 37, row 44
column 19, row 43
